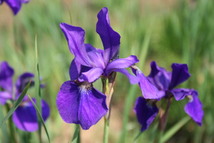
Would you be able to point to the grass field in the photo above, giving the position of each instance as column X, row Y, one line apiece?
column 162, row 31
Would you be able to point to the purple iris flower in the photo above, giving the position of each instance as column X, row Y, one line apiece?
column 165, row 82
column 77, row 101
column 15, row 5
column 25, row 117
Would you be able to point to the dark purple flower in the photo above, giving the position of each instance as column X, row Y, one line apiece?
column 77, row 101
column 166, row 81
column 15, row 5
column 25, row 117
column 145, row 112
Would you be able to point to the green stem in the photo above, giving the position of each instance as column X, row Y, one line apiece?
column 76, row 136
column 11, row 128
column 106, row 130
column 108, row 84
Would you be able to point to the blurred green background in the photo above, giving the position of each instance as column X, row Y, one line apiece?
column 165, row 31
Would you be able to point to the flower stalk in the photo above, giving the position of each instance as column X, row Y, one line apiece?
column 108, row 84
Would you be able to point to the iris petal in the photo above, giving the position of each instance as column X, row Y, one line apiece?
column 109, row 37
column 6, row 75
column 145, row 113
column 4, row 96
column 148, row 90
column 81, row 104
column 74, row 70
column 180, row 74
column 22, row 81
column 25, row 117
column 121, row 63
column 91, row 75
column 75, row 38
column 194, row 109
column 159, row 76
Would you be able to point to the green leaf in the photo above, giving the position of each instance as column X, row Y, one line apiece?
column 38, row 88
column 40, row 117
column 174, row 129
column 16, row 104
column 76, row 136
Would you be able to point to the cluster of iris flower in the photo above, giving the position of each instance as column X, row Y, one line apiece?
column 80, row 103
column 15, row 5
column 25, row 116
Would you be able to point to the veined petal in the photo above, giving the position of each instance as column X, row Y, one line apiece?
column 110, row 38
column 148, row 90
column 4, row 96
column 22, row 81
column 91, row 75
column 75, row 38
column 159, row 76
column 180, row 74
column 121, row 63
column 145, row 113
column 15, row 5
column 81, row 104
column 6, row 75
column 25, row 117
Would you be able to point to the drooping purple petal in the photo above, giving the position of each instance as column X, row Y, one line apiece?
column 81, row 104
column 6, row 75
column 148, row 90
column 25, row 117
column 159, row 76
column 75, row 38
column 121, row 63
column 109, row 37
column 91, row 75
column 181, row 93
column 22, row 81
column 194, row 109
column 145, row 113
column 180, row 74
column 132, row 79
column 4, row 96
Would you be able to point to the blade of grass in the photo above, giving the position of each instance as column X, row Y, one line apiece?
column 76, row 136
column 40, row 117
column 16, row 104
column 38, row 89
column 174, row 129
